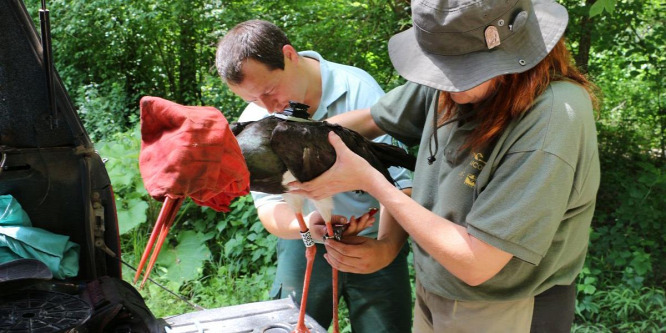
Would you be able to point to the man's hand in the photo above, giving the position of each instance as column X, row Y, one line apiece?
column 358, row 254
column 357, row 225
column 352, row 227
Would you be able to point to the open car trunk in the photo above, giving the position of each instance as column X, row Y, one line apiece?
column 50, row 170
column 58, row 228
column 49, row 164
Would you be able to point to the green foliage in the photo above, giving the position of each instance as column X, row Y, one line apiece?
column 184, row 262
column 112, row 52
column 122, row 163
column 131, row 212
column 251, row 250
column 216, row 289
column 102, row 109
column 628, row 228
column 214, row 93
column 624, row 259
column 600, row 5
column 621, row 309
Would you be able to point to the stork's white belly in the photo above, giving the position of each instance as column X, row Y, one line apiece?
column 324, row 206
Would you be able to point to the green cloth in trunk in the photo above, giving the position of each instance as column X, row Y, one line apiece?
column 19, row 239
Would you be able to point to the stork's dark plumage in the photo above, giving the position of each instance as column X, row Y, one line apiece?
column 272, row 146
column 279, row 150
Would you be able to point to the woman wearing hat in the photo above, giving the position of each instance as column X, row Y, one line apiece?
column 507, row 173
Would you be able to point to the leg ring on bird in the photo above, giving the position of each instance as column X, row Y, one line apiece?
column 307, row 238
column 338, row 229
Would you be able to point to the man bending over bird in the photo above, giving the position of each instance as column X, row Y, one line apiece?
column 259, row 64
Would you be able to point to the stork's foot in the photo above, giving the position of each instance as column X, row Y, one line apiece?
column 300, row 329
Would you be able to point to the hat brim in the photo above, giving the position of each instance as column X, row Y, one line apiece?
column 516, row 54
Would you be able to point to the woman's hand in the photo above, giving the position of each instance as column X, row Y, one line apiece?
column 350, row 172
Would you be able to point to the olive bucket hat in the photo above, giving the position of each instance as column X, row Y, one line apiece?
column 456, row 45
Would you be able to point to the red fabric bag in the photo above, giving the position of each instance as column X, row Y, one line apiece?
column 190, row 151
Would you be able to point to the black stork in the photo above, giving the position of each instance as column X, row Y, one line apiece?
column 279, row 150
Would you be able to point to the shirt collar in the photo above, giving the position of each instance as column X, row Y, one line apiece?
column 330, row 91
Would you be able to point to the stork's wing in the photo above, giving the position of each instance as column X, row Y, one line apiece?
column 306, row 152
column 238, row 126
column 304, row 148
column 391, row 155
column 363, row 147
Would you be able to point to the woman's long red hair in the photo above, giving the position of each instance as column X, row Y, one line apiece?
column 516, row 95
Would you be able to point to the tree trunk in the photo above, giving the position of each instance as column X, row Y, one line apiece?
column 585, row 42
column 188, row 89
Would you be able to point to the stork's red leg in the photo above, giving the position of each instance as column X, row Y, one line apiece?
column 163, row 224
column 153, row 258
column 336, row 325
column 151, row 241
column 310, row 251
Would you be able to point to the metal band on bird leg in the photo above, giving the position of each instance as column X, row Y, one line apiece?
column 338, row 230
column 307, row 238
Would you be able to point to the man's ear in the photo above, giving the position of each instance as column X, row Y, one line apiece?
column 290, row 53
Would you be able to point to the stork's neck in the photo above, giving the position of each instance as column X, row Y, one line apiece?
column 312, row 74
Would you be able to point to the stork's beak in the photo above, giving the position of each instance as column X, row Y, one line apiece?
column 162, row 226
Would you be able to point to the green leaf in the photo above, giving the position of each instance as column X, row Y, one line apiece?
column 230, row 246
column 609, row 5
column 207, row 236
column 597, row 8
column 221, row 225
column 185, row 261
column 133, row 215
column 256, row 255
column 121, row 178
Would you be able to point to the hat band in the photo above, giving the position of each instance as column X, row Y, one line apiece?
column 451, row 43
